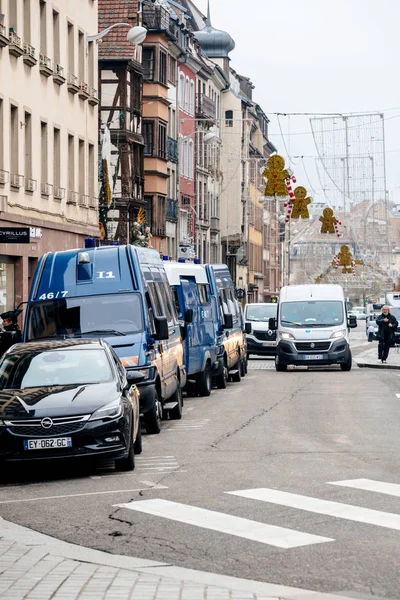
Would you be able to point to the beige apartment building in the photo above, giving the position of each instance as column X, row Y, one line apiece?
column 48, row 134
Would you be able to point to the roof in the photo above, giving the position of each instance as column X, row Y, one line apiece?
column 115, row 45
column 177, row 270
column 311, row 292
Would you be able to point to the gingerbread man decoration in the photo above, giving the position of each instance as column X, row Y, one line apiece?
column 276, row 174
column 300, row 203
column 345, row 259
column 328, row 221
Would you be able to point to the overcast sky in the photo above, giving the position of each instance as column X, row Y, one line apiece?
column 318, row 56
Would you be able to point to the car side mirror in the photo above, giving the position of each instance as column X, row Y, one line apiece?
column 272, row 324
column 161, row 325
column 189, row 315
column 247, row 327
column 228, row 318
column 134, row 377
column 352, row 321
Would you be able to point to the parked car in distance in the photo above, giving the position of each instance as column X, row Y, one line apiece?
column 261, row 340
column 359, row 312
column 371, row 320
column 396, row 313
column 68, row 399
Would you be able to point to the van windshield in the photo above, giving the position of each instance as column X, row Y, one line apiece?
column 260, row 312
column 318, row 313
column 91, row 315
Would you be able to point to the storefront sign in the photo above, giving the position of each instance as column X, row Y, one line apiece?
column 14, row 235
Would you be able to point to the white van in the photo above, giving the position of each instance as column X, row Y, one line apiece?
column 312, row 327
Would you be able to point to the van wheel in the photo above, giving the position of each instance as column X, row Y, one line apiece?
column 176, row 413
column 347, row 365
column 278, row 365
column 152, row 419
column 237, row 377
column 221, row 378
column 128, row 463
column 204, row 381
column 138, row 441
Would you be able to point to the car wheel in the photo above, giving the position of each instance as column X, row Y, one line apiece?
column 128, row 463
column 278, row 365
column 176, row 412
column 203, row 385
column 138, row 441
column 347, row 365
column 221, row 378
column 237, row 377
column 152, row 419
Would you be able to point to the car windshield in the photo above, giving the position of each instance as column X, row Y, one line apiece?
column 59, row 367
column 92, row 315
column 318, row 313
column 260, row 312
column 396, row 313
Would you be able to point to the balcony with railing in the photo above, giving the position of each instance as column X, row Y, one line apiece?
column 172, row 150
column 45, row 66
column 172, row 210
column 4, row 177
column 72, row 83
column 93, row 96
column 58, row 75
column 72, row 197
column 46, row 189
column 206, row 107
column 214, row 224
column 15, row 44
column 59, row 193
column 3, row 36
column 84, row 92
column 30, row 184
column 29, row 55
column 155, row 17
column 16, row 181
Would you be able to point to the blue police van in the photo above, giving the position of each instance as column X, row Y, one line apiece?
column 121, row 294
column 197, row 309
column 230, row 326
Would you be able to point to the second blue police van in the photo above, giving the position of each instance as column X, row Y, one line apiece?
column 121, row 294
column 197, row 309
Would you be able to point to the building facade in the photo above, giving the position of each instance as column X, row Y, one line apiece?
column 48, row 133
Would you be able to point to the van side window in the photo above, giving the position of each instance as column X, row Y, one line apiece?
column 150, row 312
column 155, row 300
column 164, row 299
column 171, row 303
column 202, row 290
column 232, row 309
column 176, row 302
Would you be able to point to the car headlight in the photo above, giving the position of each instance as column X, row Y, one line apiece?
column 338, row 334
column 113, row 410
column 287, row 336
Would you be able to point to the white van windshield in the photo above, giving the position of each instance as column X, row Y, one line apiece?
column 318, row 313
column 260, row 312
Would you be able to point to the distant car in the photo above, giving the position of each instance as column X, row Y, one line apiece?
column 359, row 312
column 396, row 313
column 261, row 340
column 371, row 320
column 68, row 399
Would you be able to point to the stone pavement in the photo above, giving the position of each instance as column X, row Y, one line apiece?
column 35, row 566
column 369, row 358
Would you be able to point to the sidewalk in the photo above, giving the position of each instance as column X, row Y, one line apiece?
column 38, row 567
column 369, row 358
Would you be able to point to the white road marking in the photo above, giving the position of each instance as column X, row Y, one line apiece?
column 157, row 487
column 190, row 408
column 397, row 395
column 229, row 524
column 160, row 464
column 199, row 424
column 151, row 484
column 370, row 485
column 323, row 507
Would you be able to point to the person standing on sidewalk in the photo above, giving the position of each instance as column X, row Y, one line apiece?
column 387, row 324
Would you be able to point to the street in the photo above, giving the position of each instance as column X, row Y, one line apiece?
column 304, row 455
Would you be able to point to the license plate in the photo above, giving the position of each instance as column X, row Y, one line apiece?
column 269, row 343
column 313, row 357
column 47, row 443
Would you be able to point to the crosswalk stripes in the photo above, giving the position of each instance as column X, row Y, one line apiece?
column 156, row 464
column 323, row 507
column 188, row 424
column 272, row 535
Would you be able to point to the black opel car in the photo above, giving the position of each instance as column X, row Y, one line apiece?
column 68, row 399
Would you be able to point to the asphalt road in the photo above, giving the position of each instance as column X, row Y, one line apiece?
column 281, row 442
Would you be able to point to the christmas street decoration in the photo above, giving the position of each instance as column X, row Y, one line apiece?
column 141, row 216
column 300, row 203
column 330, row 224
column 276, row 174
column 345, row 260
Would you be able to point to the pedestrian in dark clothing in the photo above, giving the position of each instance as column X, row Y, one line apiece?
column 387, row 324
column 11, row 333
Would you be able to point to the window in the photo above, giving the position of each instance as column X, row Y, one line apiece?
column 44, row 151
column 155, row 299
column 14, row 141
column 229, row 118
column 185, row 158
column 172, row 70
column 191, row 98
column 181, row 90
column 28, row 145
column 186, row 104
column 27, row 21
column 148, row 135
column 43, row 27
column 57, row 158
column 190, row 160
column 12, row 15
column 71, row 162
column 56, row 37
column 91, row 171
column 148, row 64
column 91, row 64
column 71, row 49
column 81, row 55
column 162, row 140
column 162, row 76
column 202, row 289
column 82, row 170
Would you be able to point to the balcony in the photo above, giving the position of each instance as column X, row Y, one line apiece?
column 59, row 193
column 93, row 96
column 30, row 184
column 45, row 65
column 29, row 55
column 172, row 150
column 93, row 202
column 46, row 189
column 4, row 177
column 214, row 225
column 206, row 107
column 83, row 93
column 15, row 44
column 58, row 75
column 72, row 83
column 72, row 197
column 3, row 36
column 83, row 200
column 155, row 18
column 16, row 181
column 172, row 210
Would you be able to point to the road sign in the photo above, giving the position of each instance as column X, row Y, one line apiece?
column 14, row 235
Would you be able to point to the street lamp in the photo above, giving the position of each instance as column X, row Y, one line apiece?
column 136, row 35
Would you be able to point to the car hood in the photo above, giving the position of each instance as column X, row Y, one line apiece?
column 56, row 401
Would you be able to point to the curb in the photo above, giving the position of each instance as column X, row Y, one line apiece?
column 376, row 366
column 29, row 537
